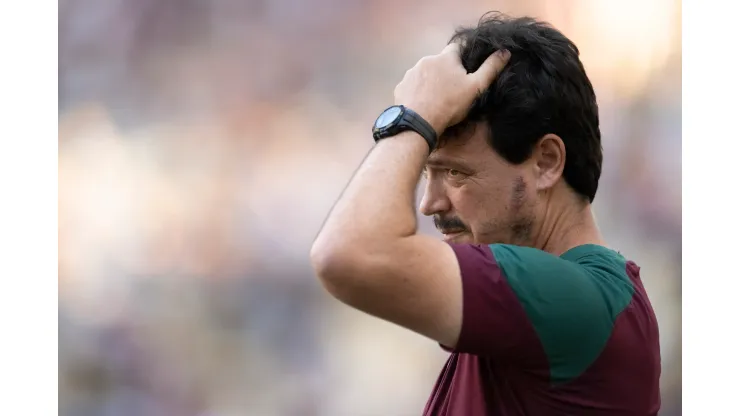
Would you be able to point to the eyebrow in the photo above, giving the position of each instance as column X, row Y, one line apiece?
column 447, row 163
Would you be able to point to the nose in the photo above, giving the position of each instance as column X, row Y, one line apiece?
column 435, row 199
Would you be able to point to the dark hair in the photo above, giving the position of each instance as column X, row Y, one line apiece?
column 543, row 89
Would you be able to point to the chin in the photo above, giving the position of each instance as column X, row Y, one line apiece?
column 459, row 238
column 489, row 241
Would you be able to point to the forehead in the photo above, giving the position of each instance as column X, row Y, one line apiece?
column 468, row 148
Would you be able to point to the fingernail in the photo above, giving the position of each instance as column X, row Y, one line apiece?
column 504, row 53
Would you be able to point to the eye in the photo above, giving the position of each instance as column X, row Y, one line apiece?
column 454, row 173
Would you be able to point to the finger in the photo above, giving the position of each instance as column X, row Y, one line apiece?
column 491, row 67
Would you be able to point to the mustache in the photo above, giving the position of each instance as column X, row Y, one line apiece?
column 449, row 224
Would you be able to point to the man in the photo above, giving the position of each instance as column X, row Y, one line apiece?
column 540, row 316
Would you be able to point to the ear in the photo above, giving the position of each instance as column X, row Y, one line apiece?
column 549, row 161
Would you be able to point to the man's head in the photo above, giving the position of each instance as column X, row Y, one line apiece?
column 503, row 172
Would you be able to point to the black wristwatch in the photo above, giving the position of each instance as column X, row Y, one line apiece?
column 398, row 118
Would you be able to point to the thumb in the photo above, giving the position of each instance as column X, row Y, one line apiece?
column 490, row 68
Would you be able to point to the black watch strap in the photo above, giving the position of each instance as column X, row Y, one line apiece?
column 412, row 121
column 406, row 120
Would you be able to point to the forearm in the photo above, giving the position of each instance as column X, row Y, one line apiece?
column 377, row 207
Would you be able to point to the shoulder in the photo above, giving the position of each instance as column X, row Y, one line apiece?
column 570, row 301
column 584, row 271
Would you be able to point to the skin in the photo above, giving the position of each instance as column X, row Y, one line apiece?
column 383, row 266
column 476, row 196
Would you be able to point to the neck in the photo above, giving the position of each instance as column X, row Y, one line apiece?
column 567, row 226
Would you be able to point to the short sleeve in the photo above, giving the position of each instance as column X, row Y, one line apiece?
column 520, row 303
column 494, row 321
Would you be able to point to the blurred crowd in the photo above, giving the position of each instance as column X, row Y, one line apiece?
column 201, row 144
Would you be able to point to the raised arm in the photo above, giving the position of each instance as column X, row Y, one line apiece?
column 368, row 253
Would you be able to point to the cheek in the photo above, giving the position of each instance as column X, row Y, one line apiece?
column 478, row 207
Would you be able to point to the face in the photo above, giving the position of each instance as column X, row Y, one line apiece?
column 476, row 196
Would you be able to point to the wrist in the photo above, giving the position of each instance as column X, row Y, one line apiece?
column 411, row 140
column 437, row 121
column 399, row 118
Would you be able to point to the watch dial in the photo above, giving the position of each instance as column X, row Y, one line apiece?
column 387, row 117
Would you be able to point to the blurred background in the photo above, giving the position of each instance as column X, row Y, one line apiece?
column 201, row 144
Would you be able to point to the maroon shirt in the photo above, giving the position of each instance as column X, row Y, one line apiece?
column 545, row 335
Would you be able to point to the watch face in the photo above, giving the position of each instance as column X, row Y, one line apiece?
column 387, row 117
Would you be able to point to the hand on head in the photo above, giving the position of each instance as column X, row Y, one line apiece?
column 440, row 89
